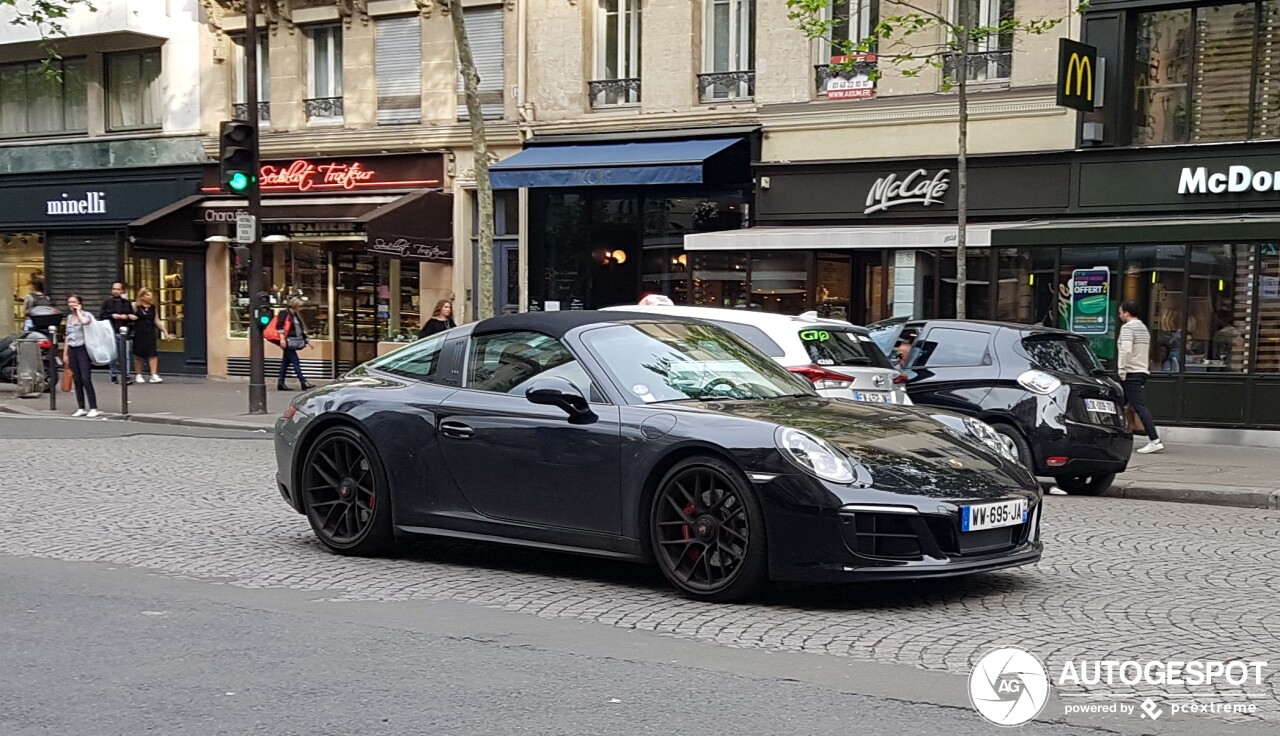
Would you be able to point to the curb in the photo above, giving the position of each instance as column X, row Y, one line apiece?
column 1238, row 496
column 168, row 419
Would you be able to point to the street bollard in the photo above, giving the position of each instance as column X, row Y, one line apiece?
column 122, row 352
column 53, row 377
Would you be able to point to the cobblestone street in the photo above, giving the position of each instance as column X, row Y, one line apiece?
column 1120, row 579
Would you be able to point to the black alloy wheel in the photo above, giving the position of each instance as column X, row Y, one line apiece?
column 1086, row 485
column 345, row 495
column 707, row 531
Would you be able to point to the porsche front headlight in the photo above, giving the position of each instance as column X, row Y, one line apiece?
column 815, row 455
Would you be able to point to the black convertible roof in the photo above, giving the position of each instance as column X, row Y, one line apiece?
column 556, row 324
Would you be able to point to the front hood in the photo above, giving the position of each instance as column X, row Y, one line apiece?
column 903, row 449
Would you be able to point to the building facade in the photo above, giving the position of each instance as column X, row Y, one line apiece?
column 106, row 133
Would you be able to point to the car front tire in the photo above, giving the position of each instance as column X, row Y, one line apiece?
column 345, row 493
column 706, row 528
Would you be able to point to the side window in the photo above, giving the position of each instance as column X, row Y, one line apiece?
column 756, row 337
column 506, row 362
column 419, row 360
column 945, row 346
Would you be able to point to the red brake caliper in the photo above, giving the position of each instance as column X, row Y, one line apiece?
column 688, row 533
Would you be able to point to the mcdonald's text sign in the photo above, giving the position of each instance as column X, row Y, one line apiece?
column 1077, row 67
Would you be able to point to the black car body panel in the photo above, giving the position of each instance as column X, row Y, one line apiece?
column 487, row 465
column 1055, row 424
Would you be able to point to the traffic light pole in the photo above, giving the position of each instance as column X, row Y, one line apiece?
column 257, row 352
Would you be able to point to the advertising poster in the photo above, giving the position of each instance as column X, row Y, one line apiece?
column 851, row 85
column 1090, row 301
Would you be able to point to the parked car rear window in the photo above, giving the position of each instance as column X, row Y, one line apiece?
column 945, row 346
column 827, row 346
column 1062, row 355
column 756, row 337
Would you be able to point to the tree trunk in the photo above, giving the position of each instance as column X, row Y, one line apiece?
column 962, row 162
column 483, row 298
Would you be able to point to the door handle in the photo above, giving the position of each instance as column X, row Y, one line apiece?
column 457, row 430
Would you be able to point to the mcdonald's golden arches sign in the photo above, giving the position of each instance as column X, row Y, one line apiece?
column 1077, row 70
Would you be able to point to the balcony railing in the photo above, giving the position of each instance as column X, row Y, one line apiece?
column 240, row 111
column 714, row 86
column 324, row 108
column 824, row 73
column 607, row 92
column 981, row 66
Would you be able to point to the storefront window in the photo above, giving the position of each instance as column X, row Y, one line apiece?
column 293, row 269
column 719, row 279
column 1219, row 317
column 1267, row 358
column 1086, row 311
column 779, row 280
column 1025, row 285
column 399, row 293
column 834, row 285
column 1155, row 278
column 939, row 283
column 164, row 277
column 21, row 257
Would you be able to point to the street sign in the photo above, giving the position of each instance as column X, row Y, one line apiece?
column 245, row 226
column 1077, row 67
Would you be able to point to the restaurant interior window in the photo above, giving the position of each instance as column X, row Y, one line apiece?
column 1267, row 358
column 399, row 299
column 665, row 265
column 834, row 285
column 1025, row 285
column 977, row 284
column 135, row 95
column 305, row 274
column 778, row 281
column 1219, row 308
column 1155, row 278
column 559, row 247
column 719, row 278
column 1084, row 308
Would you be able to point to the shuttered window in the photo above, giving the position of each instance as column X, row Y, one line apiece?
column 399, row 69
column 84, row 263
column 484, row 32
column 1224, row 55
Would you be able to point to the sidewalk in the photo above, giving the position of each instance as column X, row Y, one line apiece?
column 1190, row 473
column 189, row 401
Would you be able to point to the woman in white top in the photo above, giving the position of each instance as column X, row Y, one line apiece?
column 76, row 355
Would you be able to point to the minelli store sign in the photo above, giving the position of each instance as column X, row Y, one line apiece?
column 346, row 174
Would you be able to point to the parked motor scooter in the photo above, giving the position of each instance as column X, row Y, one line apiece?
column 44, row 323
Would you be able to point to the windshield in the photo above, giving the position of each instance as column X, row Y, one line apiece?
column 827, row 346
column 1062, row 355
column 672, row 361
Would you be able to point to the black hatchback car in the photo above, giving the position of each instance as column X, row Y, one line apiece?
column 1040, row 388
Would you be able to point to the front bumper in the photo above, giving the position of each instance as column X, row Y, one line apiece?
column 1090, row 449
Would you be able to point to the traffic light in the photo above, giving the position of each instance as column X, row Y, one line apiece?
column 237, row 150
column 241, row 253
column 263, row 313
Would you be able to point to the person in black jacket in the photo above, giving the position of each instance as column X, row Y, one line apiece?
column 293, row 337
column 441, row 319
column 120, row 313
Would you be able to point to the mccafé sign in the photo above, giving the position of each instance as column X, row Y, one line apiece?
column 1200, row 180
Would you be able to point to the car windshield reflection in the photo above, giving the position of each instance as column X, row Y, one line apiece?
column 670, row 361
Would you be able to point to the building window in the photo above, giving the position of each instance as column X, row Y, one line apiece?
column 21, row 262
column 988, row 59
column 324, row 79
column 399, row 69
column 134, row 90
column 484, row 32
column 292, row 269
column 399, row 300
column 617, row 57
column 34, row 102
column 1207, row 74
column 854, row 21
column 730, row 50
column 240, row 69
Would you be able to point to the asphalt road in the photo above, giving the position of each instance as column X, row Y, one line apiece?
column 160, row 562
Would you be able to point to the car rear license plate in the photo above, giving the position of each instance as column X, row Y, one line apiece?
column 873, row 398
column 1100, row 406
column 993, row 515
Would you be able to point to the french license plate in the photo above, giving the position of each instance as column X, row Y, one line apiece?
column 872, row 398
column 1100, row 406
column 993, row 515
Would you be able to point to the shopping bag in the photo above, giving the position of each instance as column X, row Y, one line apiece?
column 100, row 341
column 67, row 379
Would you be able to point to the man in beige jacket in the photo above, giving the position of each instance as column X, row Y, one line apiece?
column 1134, row 350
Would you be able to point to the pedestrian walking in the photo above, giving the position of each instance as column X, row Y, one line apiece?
column 147, row 332
column 293, row 337
column 76, row 355
column 441, row 319
column 1134, row 351
column 119, row 312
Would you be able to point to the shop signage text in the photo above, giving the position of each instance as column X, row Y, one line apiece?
column 306, row 176
column 855, row 83
column 404, row 248
column 1090, row 301
column 94, row 203
column 914, row 188
column 1198, row 180
column 223, row 215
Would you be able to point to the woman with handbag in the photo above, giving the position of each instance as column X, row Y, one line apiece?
column 76, row 355
column 293, row 337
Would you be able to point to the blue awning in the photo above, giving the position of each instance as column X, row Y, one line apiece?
column 616, row 164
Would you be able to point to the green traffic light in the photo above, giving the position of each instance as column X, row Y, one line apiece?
column 238, row 181
column 264, row 319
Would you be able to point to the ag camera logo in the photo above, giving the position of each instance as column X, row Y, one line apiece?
column 1009, row 686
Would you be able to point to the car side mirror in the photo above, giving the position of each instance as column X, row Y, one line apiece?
column 558, row 391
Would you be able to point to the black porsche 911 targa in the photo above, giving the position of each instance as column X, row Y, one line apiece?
column 652, row 439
